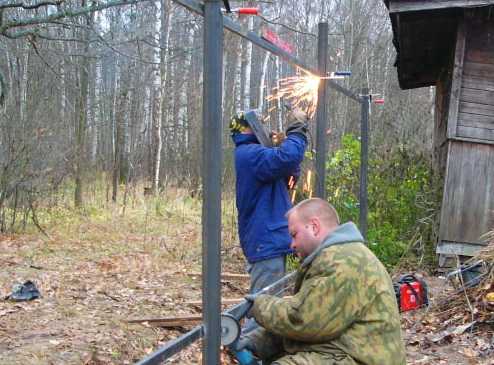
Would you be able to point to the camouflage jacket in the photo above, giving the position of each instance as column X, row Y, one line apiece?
column 344, row 303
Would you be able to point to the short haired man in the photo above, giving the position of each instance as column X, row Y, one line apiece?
column 344, row 310
column 262, row 175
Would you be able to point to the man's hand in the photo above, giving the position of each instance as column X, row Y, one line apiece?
column 277, row 137
column 297, row 122
column 245, row 343
column 297, row 127
column 250, row 298
column 261, row 343
column 296, row 115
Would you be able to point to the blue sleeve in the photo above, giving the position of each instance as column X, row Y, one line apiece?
column 296, row 173
column 280, row 162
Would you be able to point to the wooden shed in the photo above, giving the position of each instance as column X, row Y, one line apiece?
column 450, row 45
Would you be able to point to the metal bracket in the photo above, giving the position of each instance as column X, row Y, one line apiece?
column 227, row 6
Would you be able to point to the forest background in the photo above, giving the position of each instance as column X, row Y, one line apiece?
column 101, row 109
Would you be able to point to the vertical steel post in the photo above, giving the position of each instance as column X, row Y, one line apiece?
column 211, row 179
column 322, row 122
column 364, row 160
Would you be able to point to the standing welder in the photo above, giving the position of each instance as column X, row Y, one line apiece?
column 262, row 196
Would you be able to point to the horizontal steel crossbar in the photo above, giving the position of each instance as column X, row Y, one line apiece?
column 229, row 24
column 173, row 347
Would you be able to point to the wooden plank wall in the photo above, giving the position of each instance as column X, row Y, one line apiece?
column 468, row 201
column 443, row 87
column 467, row 211
column 399, row 6
column 476, row 102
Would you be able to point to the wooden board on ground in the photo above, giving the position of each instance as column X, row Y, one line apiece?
column 227, row 302
column 224, row 276
column 170, row 321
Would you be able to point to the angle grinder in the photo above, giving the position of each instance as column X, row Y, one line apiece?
column 230, row 333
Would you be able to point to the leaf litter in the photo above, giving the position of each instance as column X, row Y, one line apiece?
column 90, row 287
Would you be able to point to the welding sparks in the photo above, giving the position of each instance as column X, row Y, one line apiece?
column 294, row 193
column 299, row 92
column 308, row 184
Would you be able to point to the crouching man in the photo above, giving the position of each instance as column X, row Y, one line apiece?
column 344, row 310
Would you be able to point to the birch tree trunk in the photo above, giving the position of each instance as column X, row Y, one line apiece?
column 349, row 52
column 183, row 115
column 129, row 99
column 94, row 112
column 119, row 173
column 246, row 67
column 232, row 51
column 24, row 66
column 262, row 85
column 115, row 149
column 160, row 94
column 63, row 86
column 80, row 157
column 278, row 102
column 238, row 80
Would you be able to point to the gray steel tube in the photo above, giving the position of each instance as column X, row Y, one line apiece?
column 322, row 122
column 364, row 160
column 211, row 179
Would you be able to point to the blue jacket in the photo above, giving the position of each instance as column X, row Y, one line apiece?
column 262, row 194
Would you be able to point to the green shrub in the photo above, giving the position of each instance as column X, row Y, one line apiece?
column 403, row 199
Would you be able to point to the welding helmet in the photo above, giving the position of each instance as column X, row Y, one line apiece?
column 239, row 122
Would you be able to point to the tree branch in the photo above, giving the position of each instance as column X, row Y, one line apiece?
column 32, row 41
column 6, row 26
column 32, row 6
column 3, row 89
column 71, row 13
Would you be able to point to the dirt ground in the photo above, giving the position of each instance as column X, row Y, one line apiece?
column 89, row 291
column 430, row 339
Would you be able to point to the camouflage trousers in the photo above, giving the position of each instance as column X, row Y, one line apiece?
column 315, row 358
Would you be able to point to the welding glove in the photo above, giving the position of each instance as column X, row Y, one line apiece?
column 297, row 122
column 297, row 127
column 296, row 115
column 261, row 343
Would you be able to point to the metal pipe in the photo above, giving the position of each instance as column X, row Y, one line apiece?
column 238, row 311
column 364, row 160
column 321, row 112
column 211, row 179
column 232, row 26
column 229, row 24
column 173, row 347
column 214, row 22
column 333, row 85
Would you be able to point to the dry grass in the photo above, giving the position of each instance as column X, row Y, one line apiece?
column 98, row 268
column 106, row 264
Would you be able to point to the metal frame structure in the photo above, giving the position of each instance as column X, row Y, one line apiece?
column 214, row 22
column 365, row 100
column 321, row 112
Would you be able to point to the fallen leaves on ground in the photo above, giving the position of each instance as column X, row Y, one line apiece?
column 90, row 288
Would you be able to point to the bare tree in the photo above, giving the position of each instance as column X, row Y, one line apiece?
column 81, row 122
column 118, row 83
